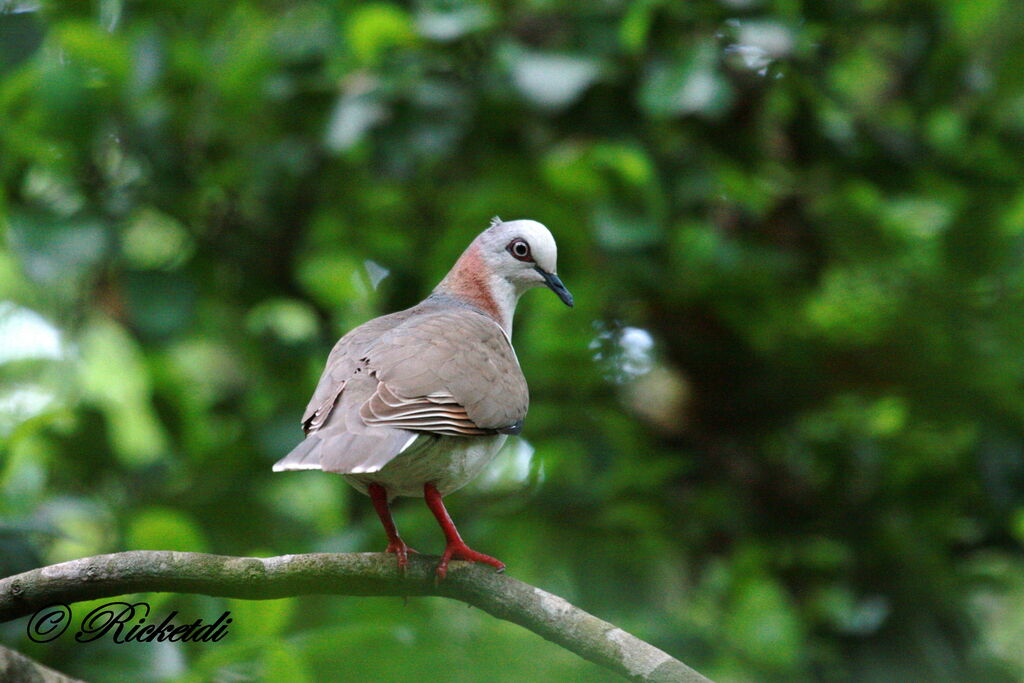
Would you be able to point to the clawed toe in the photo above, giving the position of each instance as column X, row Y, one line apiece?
column 401, row 551
column 460, row 551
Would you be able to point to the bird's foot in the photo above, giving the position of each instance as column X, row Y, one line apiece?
column 457, row 550
column 401, row 551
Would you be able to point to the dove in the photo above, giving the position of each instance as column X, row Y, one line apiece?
column 416, row 403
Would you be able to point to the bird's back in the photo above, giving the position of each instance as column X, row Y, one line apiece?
column 439, row 369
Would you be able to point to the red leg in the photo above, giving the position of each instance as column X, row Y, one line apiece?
column 456, row 548
column 396, row 545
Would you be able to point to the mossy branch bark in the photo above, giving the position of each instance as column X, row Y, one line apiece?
column 15, row 666
column 260, row 578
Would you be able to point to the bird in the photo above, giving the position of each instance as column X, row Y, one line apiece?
column 416, row 403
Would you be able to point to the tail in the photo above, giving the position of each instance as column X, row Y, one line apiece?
column 347, row 453
column 305, row 456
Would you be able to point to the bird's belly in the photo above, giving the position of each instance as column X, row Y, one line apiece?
column 448, row 462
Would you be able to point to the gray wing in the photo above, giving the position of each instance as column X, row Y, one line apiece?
column 435, row 370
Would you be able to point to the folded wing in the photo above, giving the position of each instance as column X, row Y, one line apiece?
column 431, row 370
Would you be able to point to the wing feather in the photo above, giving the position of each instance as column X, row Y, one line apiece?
column 437, row 368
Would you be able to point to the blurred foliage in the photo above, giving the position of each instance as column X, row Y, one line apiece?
column 781, row 435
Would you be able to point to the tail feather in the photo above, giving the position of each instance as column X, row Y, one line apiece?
column 348, row 453
column 305, row 456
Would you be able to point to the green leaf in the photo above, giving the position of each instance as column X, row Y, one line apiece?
column 113, row 376
column 763, row 625
column 375, row 28
column 105, row 54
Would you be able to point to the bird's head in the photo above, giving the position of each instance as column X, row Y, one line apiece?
column 522, row 253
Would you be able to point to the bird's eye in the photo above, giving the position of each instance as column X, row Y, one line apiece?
column 520, row 249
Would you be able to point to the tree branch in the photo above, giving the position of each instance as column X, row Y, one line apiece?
column 15, row 666
column 260, row 578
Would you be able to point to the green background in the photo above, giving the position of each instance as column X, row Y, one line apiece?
column 779, row 436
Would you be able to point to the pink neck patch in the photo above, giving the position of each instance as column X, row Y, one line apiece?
column 468, row 280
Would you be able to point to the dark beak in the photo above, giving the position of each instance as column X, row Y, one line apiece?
column 556, row 286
